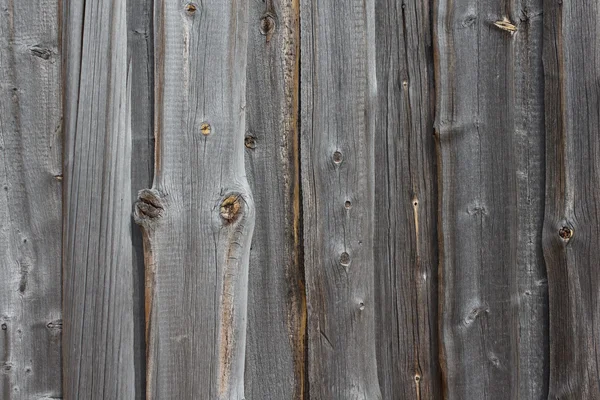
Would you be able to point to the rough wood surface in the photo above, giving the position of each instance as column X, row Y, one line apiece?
column 198, row 217
column 30, row 211
column 406, row 204
column 571, row 224
column 98, row 334
column 275, row 353
column 338, row 100
column 488, row 126
column 141, row 56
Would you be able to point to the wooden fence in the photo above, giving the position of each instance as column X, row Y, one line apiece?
column 300, row 199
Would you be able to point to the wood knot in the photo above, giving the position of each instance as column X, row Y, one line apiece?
column 345, row 259
column 565, row 233
column 41, row 52
column 190, row 8
column 205, row 128
column 56, row 324
column 250, row 142
column 267, row 25
column 230, row 208
column 148, row 207
column 337, row 157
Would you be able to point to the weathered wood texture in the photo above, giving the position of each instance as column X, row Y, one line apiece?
column 338, row 103
column 275, row 354
column 30, row 210
column 405, row 245
column 98, row 335
column 198, row 217
column 571, row 224
column 140, row 52
column 490, row 139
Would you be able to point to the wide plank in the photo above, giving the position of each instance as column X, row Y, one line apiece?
column 98, row 282
column 30, row 201
column 198, row 217
column 338, row 106
column 493, row 312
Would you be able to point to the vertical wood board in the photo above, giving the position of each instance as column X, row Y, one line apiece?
column 30, row 201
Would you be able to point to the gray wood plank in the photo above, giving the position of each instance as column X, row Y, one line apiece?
column 275, row 353
column 198, row 217
column 98, row 333
column 490, row 140
column 531, row 294
column 140, row 46
column 30, row 211
column 338, row 105
column 406, row 204
column 571, row 223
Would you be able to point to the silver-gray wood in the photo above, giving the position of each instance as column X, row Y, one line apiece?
column 493, row 301
column 98, row 279
column 275, row 351
column 198, row 217
column 30, row 201
column 338, row 108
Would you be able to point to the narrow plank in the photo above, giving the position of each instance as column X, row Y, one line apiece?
column 275, row 353
column 490, row 138
column 98, row 333
column 30, row 211
column 527, row 98
column 198, row 217
column 338, row 100
column 140, row 46
column 572, row 221
column 406, row 204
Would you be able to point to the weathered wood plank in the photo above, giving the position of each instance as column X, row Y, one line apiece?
column 198, row 217
column 338, row 100
column 30, row 211
column 406, row 204
column 488, row 125
column 140, row 46
column 527, row 102
column 98, row 282
column 275, row 353
column 572, row 221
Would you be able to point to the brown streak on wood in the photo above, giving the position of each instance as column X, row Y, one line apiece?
column 300, row 344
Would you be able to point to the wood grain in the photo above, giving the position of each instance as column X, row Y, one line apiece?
column 493, row 311
column 98, row 281
column 30, row 211
column 198, row 218
column 571, row 224
column 405, row 204
column 338, row 105
column 275, row 353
